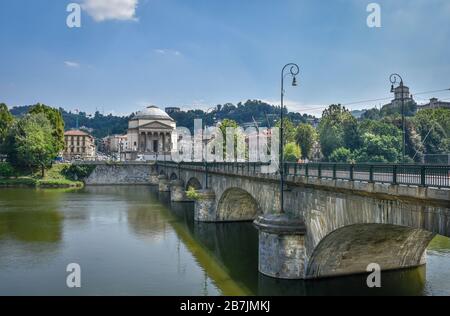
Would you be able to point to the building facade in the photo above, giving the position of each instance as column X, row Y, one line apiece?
column 115, row 143
column 79, row 145
column 151, row 135
column 435, row 104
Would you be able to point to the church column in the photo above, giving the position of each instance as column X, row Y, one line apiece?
column 169, row 141
column 149, row 141
column 161, row 142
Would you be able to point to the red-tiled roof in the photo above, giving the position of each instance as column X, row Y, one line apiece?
column 76, row 132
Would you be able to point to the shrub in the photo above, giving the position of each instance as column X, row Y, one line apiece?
column 78, row 172
column 341, row 154
column 192, row 194
column 6, row 170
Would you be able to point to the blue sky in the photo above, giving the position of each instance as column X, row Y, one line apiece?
column 199, row 53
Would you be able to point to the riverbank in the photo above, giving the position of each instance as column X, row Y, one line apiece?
column 54, row 178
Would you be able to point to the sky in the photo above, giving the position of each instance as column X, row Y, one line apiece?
column 129, row 54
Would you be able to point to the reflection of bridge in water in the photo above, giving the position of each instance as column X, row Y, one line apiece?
column 346, row 216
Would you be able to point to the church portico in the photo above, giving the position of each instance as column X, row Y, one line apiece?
column 152, row 135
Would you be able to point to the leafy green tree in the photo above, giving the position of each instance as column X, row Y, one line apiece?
column 379, row 128
column 371, row 114
column 289, row 130
column 413, row 140
column 292, row 152
column 305, row 137
column 337, row 128
column 376, row 148
column 32, row 143
column 56, row 120
column 6, row 120
column 433, row 125
column 342, row 154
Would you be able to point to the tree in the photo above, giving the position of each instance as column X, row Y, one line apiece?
column 337, row 128
column 376, row 148
column 342, row 154
column 32, row 142
column 6, row 120
column 305, row 137
column 433, row 125
column 292, row 152
column 288, row 130
column 371, row 114
column 56, row 120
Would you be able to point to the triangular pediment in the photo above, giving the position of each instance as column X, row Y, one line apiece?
column 156, row 125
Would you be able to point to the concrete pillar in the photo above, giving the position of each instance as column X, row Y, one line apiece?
column 281, row 246
column 164, row 184
column 205, row 206
column 154, row 177
column 178, row 194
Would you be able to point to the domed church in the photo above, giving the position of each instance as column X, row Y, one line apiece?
column 151, row 135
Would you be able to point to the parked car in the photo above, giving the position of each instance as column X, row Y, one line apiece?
column 140, row 158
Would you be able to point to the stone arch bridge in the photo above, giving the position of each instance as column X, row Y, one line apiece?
column 339, row 218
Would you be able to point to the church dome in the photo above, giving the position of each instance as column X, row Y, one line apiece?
column 153, row 113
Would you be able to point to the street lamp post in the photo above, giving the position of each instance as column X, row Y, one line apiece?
column 293, row 72
column 393, row 79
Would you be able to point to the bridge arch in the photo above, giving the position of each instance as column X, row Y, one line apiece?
column 237, row 205
column 173, row 176
column 350, row 249
column 194, row 183
column 162, row 172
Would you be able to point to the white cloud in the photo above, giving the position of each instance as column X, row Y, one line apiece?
column 72, row 64
column 102, row 10
column 163, row 51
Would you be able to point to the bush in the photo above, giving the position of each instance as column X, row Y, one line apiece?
column 342, row 154
column 78, row 172
column 292, row 152
column 192, row 194
column 6, row 170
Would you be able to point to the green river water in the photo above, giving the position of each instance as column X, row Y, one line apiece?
column 129, row 240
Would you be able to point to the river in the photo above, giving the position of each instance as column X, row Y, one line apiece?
column 129, row 240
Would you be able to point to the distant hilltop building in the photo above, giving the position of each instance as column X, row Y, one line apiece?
column 398, row 93
column 172, row 109
column 78, row 145
column 435, row 104
column 151, row 135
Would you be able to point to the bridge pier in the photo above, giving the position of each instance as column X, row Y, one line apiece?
column 178, row 194
column 205, row 206
column 282, row 252
column 154, row 180
column 164, row 184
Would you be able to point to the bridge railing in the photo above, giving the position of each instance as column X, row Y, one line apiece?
column 406, row 174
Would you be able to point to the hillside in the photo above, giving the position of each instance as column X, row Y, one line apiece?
column 102, row 125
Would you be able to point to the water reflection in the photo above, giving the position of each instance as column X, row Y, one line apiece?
column 24, row 220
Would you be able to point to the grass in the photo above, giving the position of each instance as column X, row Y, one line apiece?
column 53, row 178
